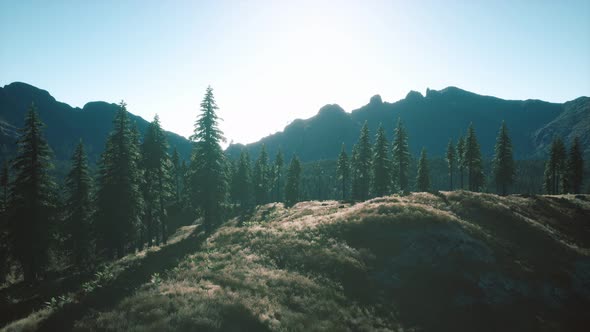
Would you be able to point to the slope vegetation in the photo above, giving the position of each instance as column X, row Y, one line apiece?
column 423, row 262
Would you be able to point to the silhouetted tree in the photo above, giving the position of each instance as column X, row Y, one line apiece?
column 261, row 177
column 451, row 159
column 118, row 198
column 401, row 157
column 79, row 208
column 575, row 166
column 381, row 164
column 423, row 177
column 461, row 160
column 503, row 163
column 277, row 175
column 473, row 161
column 555, row 168
column 33, row 198
column 242, row 182
column 362, row 165
column 209, row 183
column 343, row 170
column 293, row 180
column 176, row 175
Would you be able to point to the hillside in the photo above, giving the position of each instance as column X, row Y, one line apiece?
column 446, row 262
column 65, row 125
column 449, row 111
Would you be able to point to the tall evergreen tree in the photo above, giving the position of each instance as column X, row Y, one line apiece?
column 118, row 198
column 277, row 175
column 355, row 167
column 503, row 163
column 209, row 184
column 401, row 157
column 156, row 165
column 473, row 161
column 261, row 177
column 33, row 198
column 461, row 160
column 575, row 167
column 242, row 181
column 292, row 191
column 423, row 177
column 451, row 161
column 176, row 175
column 555, row 168
column 362, row 165
column 343, row 170
column 381, row 164
column 79, row 208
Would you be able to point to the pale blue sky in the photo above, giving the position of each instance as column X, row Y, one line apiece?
column 270, row 62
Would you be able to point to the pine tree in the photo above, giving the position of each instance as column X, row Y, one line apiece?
column 79, row 208
column 156, row 165
column 118, row 198
column 261, row 177
column 355, row 167
column 292, row 193
column 423, row 177
column 473, row 161
column 362, row 165
column 504, row 169
column 401, row 157
column 343, row 170
column 461, row 160
column 575, row 166
column 209, row 184
column 242, row 181
column 33, row 198
column 451, row 160
column 381, row 164
column 176, row 176
column 278, row 173
column 555, row 167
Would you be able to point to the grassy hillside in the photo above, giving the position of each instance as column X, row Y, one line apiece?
column 446, row 262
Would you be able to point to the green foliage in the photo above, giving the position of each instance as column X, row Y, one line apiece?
column 33, row 198
column 292, row 193
column 361, row 166
column 277, row 172
column 503, row 163
column 381, row 164
column 119, row 199
column 423, row 177
column 575, row 167
column 208, row 171
column 473, row 161
column 461, row 160
column 451, row 159
column 242, row 183
column 260, row 178
column 401, row 158
column 343, row 170
column 555, row 168
column 79, row 208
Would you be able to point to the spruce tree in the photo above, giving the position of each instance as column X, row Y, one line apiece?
column 261, row 177
column 423, row 177
column 243, row 184
column 292, row 191
column 362, row 165
column 381, row 164
column 355, row 167
column 473, row 161
column 118, row 198
column 343, row 170
column 209, row 182
column 555, row 167
column 79, row 208
column 575, row 167
column 33, row 198
column 461, row 160
column 176, row 176
column 401, row 157
column 503, row 163
column 277, row 175
column 451, row 159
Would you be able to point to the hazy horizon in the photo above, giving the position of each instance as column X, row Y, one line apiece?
column 281, row 61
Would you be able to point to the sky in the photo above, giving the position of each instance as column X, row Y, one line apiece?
column 271, row 62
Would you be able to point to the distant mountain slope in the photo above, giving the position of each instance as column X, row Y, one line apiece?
column 431, row 120
column 65, row 125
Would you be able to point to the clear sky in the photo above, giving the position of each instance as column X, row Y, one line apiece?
column 271, row 62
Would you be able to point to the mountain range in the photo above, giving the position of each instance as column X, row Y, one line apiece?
column 431, row 120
